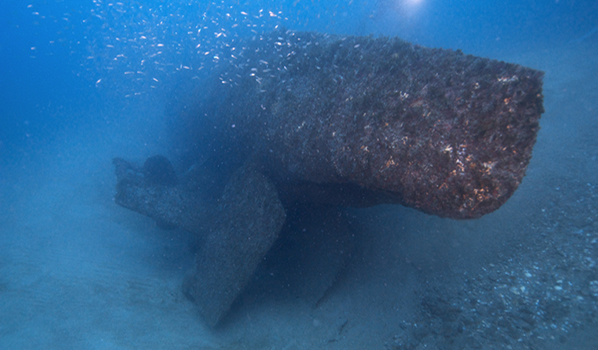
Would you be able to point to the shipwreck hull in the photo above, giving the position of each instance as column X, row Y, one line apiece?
column 446, row 133
column 335, row 121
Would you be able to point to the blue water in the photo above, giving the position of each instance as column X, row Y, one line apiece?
column 84, row 81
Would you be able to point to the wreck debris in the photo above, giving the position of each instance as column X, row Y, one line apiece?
column 250, row 216
column 170, row 206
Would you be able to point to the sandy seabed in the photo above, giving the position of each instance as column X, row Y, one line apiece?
column 79, row 272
